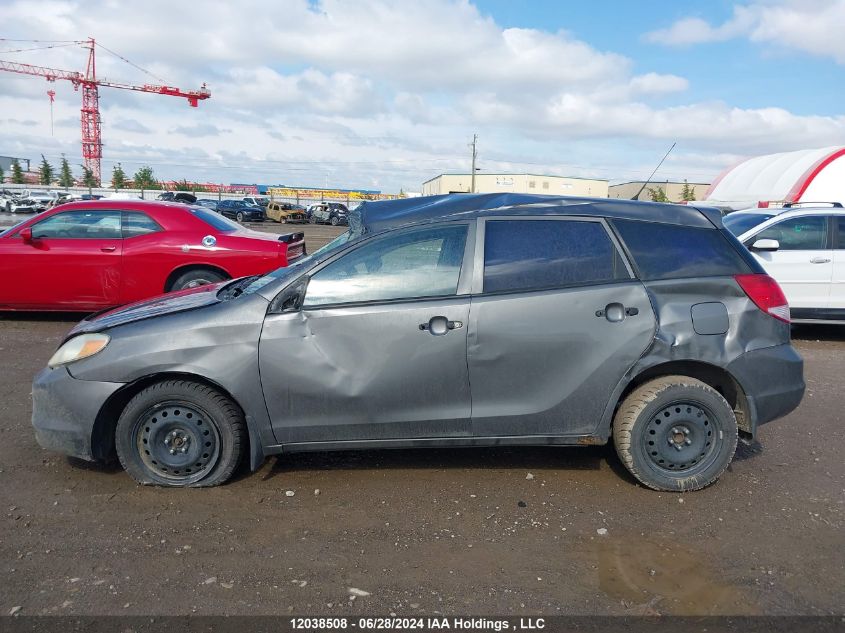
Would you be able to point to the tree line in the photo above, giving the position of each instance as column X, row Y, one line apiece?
column 144, row 178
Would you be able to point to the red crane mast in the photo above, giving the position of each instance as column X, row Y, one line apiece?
column 92, row 145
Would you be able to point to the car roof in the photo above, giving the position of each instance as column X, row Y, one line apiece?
column 123, row 205
column 387, row 214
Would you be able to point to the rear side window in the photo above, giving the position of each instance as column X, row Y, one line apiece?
column 537, row 254
column 841, row 226
column 214, row 220
column 668, row 251
column 135, row 223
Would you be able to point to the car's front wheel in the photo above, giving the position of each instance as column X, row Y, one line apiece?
column 334, row 221
column 239, row 216
column 675, row 433
column 180, row 433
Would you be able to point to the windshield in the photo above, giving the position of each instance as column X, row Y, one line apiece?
column 739, row 222
column 294, row 268
column 262, row 201
column 215, row 220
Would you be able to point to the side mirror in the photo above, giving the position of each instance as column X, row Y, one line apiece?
column 26, row 235
column 290, row 300
column 765, row 245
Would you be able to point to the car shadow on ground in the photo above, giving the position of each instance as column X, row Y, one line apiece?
column 44, row 317
column 469, row 458
column 807, row 332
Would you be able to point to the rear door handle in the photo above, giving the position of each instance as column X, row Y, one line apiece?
column 820, row 260
column 440, row 325
column 108, row 249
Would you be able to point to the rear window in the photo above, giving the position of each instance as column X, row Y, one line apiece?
column 667, row 251
column 738, row 223
column 537, row 254
column 214, row 220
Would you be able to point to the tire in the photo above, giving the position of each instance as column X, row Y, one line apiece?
column 334, row 221
column 675, row 434
column 195, row 278
column 239, row 216
column 312, row 220
column 179, row 433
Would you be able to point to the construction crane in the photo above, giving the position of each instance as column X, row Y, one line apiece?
column 92, row 145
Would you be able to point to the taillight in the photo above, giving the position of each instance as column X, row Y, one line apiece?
column 766, row 294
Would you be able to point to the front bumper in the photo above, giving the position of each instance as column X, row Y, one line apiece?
column 65, row 409
column 773, row 381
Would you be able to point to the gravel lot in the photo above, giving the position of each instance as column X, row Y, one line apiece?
column 458, row 531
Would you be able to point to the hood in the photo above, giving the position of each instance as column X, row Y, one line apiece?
column 170, row 303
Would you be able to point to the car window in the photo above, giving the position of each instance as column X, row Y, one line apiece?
column 136, row 223
column 214, row 220
column 808, row 233
column 417, row 263
column 79, row 225
column 536, row 254
column 738, row 222
column 671, row 251
column 841, row 226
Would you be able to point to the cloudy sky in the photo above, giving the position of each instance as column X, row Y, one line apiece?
column 384, row 94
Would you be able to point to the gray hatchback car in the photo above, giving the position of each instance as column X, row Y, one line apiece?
column 460, row 320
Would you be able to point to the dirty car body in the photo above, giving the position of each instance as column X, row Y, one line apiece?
column 467, row 320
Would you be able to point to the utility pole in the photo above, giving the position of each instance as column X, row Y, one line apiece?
column 474, row 146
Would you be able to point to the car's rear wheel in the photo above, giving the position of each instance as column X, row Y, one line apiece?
column 334, row 221
column 195, row 278
column 239, row 216
column 675, row 433
column 180, row 433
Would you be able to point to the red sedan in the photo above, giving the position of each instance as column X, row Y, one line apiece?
column 86, row 256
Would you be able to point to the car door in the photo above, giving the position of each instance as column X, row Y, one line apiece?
column 73, row 261
column 837, row 287
column 803, row 262
column 556, row 322
column 378, row 348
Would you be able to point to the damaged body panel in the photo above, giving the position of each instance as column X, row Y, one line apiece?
column 446, row 321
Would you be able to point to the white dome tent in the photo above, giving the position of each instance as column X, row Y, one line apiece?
column 811, row 175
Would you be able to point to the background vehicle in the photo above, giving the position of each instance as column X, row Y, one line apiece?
column 286, row 212
column 86, row 256
column 803, row 248
column 371, row 342
column 258, row 201
column 177, row 196
column 333, row 213
column 208, row 203
column 240, row 211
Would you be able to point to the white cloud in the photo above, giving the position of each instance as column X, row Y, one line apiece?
column 385, row 93
column 810, row 26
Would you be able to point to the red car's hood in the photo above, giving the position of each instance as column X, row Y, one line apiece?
column 179, row 301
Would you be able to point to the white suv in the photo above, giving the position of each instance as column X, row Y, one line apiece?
column 803, row 248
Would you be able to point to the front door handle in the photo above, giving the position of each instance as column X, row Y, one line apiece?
column 615, row 312
column 440, row 325
column 108, row 249
column 820, row 260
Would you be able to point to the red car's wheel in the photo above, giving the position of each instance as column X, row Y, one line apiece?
column 194, row 278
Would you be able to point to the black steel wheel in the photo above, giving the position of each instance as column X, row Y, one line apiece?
column 675, row 433
column 180, row 433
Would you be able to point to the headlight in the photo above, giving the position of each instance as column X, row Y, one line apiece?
column 79, row 347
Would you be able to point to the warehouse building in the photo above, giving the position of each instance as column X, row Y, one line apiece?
column 516, row 183
column 673, row 190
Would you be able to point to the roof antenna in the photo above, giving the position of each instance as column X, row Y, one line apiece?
column 637, row 197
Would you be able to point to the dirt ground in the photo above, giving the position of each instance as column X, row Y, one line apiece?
column 458, row 531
